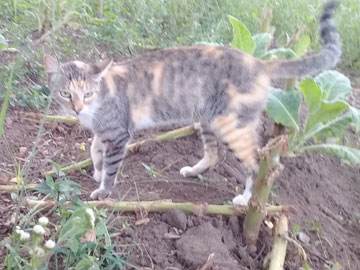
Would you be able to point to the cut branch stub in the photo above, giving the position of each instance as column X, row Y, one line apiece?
column 269, row 169
column 163, row 206
column 278, row 252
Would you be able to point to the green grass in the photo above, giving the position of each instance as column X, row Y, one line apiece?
column 129, row 26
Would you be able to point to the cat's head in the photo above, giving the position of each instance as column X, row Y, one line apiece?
column 76, row 85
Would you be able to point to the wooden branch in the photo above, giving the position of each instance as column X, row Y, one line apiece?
column 173, row 134
column 163, row 206
column 269, row 169
column 31, row 116
column 14, row 188
column 278, row 252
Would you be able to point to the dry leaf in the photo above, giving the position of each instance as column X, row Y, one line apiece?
column 142, row 221
column 90, row 236
column 3, row 178
column 22, row 150
column 171, row 235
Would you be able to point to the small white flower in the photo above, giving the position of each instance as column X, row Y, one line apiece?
column 19, row 231
column 50, row 244
column 91, row 214
column 39, row 252
column 43, row 221
column 38, row 229
column 17, row 227
column 24, row 236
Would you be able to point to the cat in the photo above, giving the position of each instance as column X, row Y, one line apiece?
column 222, row 88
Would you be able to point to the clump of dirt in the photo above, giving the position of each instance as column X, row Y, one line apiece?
column 325, row 193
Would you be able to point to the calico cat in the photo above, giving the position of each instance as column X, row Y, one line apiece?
column 222, row 88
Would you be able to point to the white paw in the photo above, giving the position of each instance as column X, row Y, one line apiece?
column 100, row 194
column 241, row 200
column 97, row 175
column 186, row 171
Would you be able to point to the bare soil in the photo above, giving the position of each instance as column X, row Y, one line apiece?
column 325, row 193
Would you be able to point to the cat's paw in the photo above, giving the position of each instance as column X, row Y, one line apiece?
column 242, row 199
column 100, row 194
column 97, row 175
column 187, row 171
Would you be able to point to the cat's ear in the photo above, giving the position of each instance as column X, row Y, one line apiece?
column 100, row 69
column 51, row 64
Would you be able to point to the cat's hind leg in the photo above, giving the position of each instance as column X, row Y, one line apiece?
column 97, row 149
column 241, row 139
column 210, row 157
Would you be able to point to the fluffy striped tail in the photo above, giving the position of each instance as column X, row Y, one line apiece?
column 327, row 58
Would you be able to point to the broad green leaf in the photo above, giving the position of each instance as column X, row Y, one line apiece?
column 262, row 42
column 74, row 245
column 242, row 38
column 6, row 101
column 345, row 153
column 325, row 113
column 283, row 107
column 302, row 45
column 279, row 53
column 101, row 229
column 77, row 225
column 312, row 94
column 87, row 263
column 335, row 86
column 3, row 42
column 355, row 117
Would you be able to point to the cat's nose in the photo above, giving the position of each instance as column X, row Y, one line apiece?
column 77, row 108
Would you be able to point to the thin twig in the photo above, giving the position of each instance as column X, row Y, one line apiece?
column 173, row 134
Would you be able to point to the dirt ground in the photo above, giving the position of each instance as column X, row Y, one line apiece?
column 325, row 193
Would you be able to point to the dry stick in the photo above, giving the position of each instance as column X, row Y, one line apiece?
column 268, row 171
column 278, row 252
column 163, row 206
column 30, row 116
column 173, row 134
column 14, row 188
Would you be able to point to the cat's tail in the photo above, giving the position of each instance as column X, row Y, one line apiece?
column 327, row 58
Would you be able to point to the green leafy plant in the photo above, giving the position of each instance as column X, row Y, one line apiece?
column 328, row 116
column 80, row 238
column 326, row 96
column 151, row 169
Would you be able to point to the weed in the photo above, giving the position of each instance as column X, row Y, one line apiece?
column 151, row 170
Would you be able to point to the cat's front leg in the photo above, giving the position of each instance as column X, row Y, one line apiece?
column 114, row 152
column 97, row 150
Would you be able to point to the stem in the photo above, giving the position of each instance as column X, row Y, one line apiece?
column 101, row 9
column 13, row 188
column 74, row 167
column 49, row 118
column 268, row 171
column 278, row 252
column 163, row 206
column 173, row 134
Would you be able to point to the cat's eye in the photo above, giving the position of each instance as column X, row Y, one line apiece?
column 65, row 94
column 88, row 94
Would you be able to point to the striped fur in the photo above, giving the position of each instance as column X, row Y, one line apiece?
column 222, row 88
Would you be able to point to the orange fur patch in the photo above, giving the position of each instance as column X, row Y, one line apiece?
column 140, row 113
column 157, row 70
column 258, row 93
column 212, row 51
